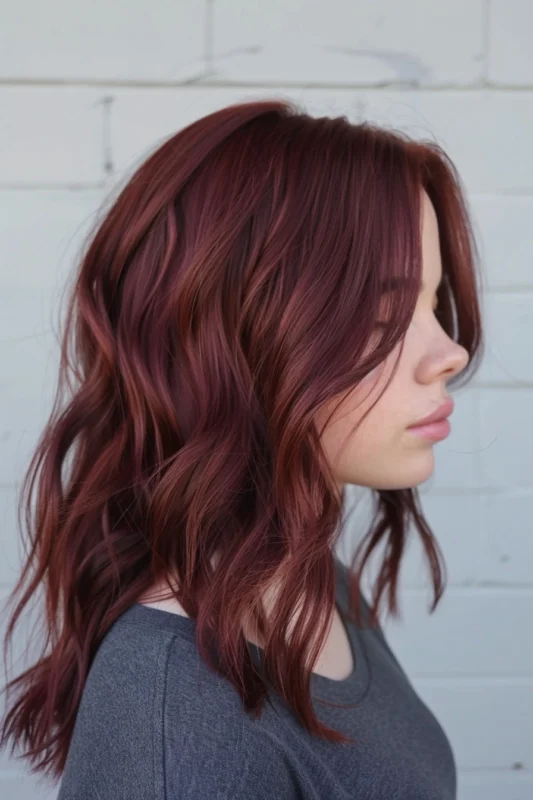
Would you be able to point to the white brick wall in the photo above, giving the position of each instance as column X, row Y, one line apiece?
column 87, row 91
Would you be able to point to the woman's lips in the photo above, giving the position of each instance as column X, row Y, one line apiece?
column 433, row 430
column 435, row 426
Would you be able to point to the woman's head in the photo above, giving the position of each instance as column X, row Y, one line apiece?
column 258, row 268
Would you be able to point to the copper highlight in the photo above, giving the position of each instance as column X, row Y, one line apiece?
column 227, row 291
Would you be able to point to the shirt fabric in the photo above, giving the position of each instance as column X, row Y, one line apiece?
column 155, row 723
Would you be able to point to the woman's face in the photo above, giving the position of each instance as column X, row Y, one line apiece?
column 383, row 453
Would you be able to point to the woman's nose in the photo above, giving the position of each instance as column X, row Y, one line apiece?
column 457, row 360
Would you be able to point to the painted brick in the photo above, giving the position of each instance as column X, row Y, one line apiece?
column 473, row 632
column 504, row 236
column 506, row 554
column 104, row 41
column 58, row 220
column 142, row 118
column 353, row 43
column 506, row 445
column 11, row 549
column 468, row 712
column 491, row 784
column 508, row 321
column 51, row 136
column 510, row 56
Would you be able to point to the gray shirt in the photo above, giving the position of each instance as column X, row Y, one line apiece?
column 155, row 723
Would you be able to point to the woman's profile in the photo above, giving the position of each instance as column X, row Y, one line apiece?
column 269, row 309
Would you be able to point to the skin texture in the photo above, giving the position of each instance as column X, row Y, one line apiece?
column 382, row 453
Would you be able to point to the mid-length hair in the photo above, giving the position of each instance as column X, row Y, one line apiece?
column 231, row 287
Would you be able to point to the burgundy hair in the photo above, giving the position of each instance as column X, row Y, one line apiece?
column 231, row 289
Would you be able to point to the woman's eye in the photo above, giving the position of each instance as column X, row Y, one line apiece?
column 383, row 324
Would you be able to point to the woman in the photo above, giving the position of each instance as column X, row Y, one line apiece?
column 265, row 313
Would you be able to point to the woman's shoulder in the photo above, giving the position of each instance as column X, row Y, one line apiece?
column 153, row 711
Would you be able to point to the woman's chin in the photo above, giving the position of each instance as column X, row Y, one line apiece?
column 411, row 473
column 423, row 469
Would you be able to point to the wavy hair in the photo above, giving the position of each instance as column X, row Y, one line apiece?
column 229, row 289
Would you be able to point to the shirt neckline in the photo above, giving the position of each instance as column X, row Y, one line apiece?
column 350, row 689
